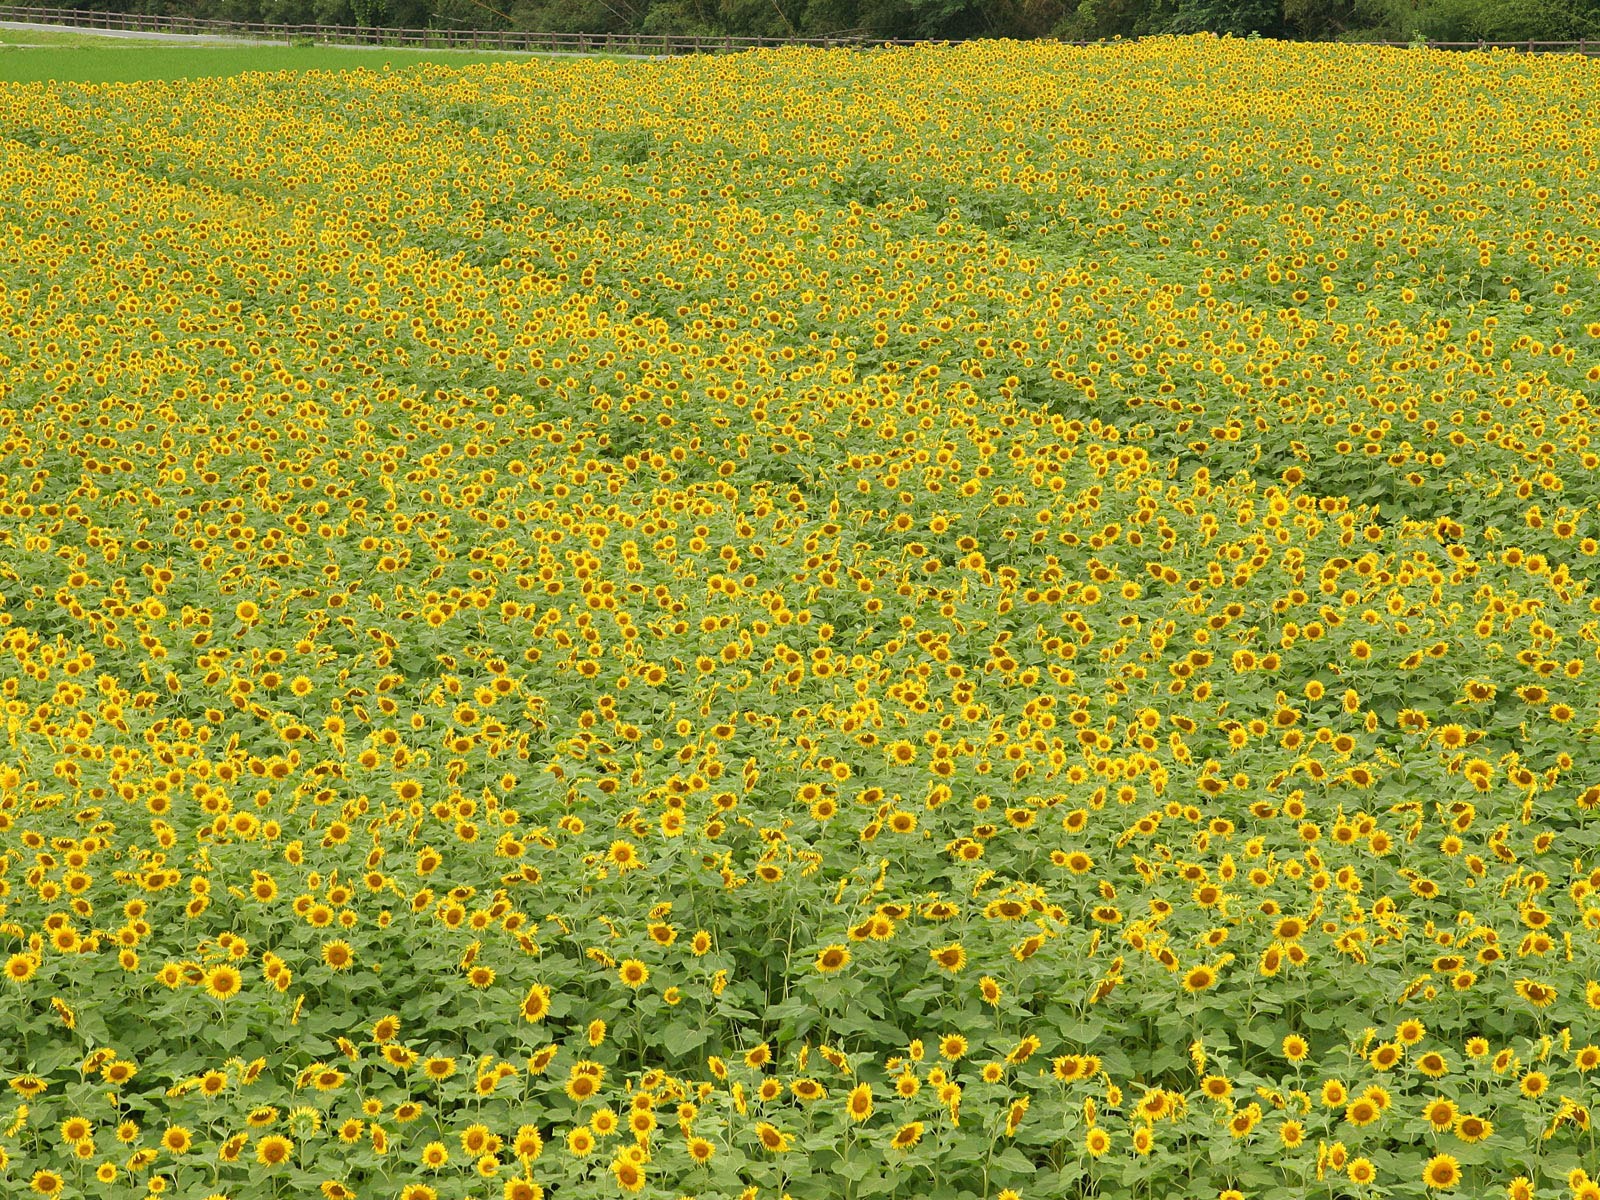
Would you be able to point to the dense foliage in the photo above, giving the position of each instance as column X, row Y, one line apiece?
column 1081, row 20
column 959, row 623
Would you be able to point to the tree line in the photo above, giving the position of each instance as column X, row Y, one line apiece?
column 1347, row 20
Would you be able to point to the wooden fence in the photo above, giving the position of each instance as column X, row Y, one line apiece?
column 653, row 44
column 648, row 44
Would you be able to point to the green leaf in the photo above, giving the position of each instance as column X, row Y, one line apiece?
column 853, row 1169
column 1014, row 1160
column 680, row 1039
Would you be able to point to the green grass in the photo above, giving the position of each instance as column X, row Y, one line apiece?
column 133, row 62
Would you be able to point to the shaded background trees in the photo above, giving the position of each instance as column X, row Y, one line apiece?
column 1452, row 20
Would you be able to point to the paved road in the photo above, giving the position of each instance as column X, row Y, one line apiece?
column 134, row 35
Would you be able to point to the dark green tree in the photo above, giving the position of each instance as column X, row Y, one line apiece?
column 1236, row 17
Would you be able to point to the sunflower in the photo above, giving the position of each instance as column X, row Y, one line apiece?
column 1442, row 1172
column 581, row 1086
column 273, row 1150
column 624, row 856
column 833, row 957
column 1023, row 1050
column 1433, row 1064
column 223, row 982
column 772, row 1139
column 1440, row 1113
column 1153, row 1105
column 807, row 1090
column 859, row 1104
column 1361, row 1111
column 629, row 1174
column 528, row 1145
column 1386, row 1055
column 177, row 1140
column 1198, row 978
column 907, row 1136
column 327, row 1079
column 1540, row 995
column 536, row 1004
column 439, row 1068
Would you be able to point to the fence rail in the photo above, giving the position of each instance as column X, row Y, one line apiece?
column 464, row 39
column 652, row 44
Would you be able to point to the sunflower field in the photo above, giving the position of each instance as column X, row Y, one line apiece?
column 972, row 623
